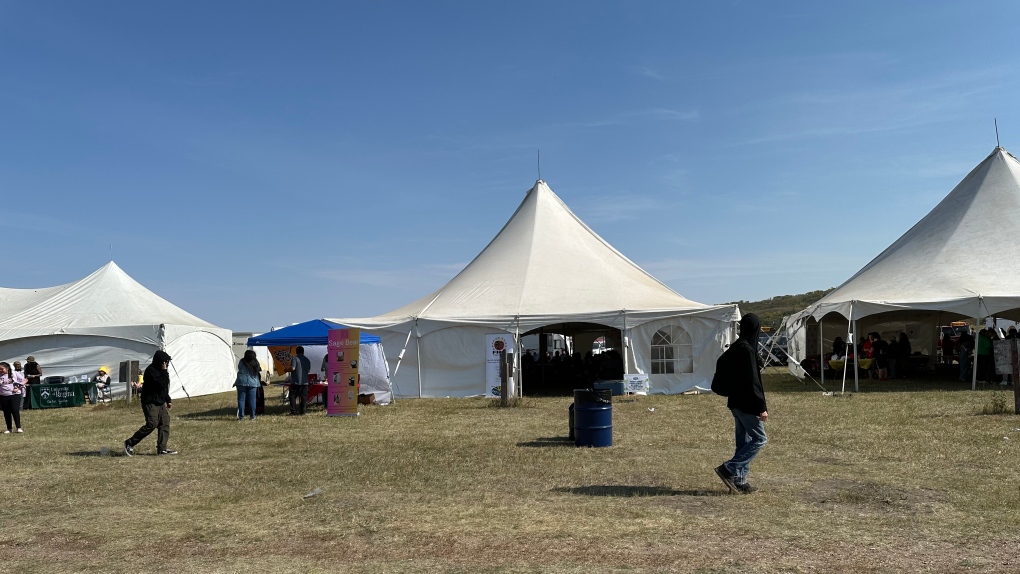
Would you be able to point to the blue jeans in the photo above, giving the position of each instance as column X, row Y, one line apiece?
column 750, row 437
column 246, row 397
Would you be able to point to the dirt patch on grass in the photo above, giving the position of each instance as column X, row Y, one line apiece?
column 836, row 493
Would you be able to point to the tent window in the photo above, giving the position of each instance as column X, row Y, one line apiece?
column 672, row 351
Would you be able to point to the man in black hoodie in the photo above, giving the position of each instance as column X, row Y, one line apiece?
column 156, row 405
column 747, row 403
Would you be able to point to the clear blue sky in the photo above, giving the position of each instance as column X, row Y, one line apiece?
column 263, row 163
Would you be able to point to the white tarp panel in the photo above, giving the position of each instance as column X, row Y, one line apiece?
column 106, row 318
column 545, row 266
column 957, row 259
column 956, row 263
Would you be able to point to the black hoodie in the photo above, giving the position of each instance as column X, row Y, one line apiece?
column 747, row 395
column 156, row 381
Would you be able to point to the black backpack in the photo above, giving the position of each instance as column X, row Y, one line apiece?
column 722, row 381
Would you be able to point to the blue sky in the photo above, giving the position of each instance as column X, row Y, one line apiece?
column 734, row 150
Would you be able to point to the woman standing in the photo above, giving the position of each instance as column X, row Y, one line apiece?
column 10, row 398
column 247, row 383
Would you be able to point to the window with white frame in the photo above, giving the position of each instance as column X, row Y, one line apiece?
column 672, row 351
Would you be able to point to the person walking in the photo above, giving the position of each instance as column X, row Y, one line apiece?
column 738, row 371
column 299, row 368
column 10, row 397
column 156, row 405
column 247, row 383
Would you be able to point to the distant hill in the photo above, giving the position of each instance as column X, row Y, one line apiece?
column 771, row 311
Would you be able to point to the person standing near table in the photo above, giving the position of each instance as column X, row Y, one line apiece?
column 746, row 401
column 247, row 383
column 10, row 398
column 33, row 371
column 156, row 405
column 299, row 369
column 102, row 380
column 33, row 376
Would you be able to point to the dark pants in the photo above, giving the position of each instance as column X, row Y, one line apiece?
column 12, row 410
column 986, row 368
column 156, row 417
column 298, row 393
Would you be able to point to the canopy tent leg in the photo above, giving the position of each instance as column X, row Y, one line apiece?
column 400, row 357
column 850, row 338
column 857, row 369
column 974, row 355
column 821, row 348
column 626, row 343
column 417, row 347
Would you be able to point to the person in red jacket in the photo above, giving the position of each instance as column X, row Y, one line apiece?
column 746, row 401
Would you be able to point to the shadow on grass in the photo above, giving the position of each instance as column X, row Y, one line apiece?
column 219, row 413
column 625, row 491
column 781, row 381
column 546, row 442
column 95, row 453
column 230, row 412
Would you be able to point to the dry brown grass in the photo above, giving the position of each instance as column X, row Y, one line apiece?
column 909, row 481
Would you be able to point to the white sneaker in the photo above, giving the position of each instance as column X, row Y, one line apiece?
column 7, row 432
column 19, row 430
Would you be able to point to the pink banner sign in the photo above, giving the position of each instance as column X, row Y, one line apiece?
column 342, row 388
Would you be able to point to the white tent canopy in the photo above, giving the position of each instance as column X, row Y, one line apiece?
column 957, row 262
column 544, row 267
column 106, row 318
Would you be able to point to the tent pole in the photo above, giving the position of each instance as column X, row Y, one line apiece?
column 849, row 331
column 974, row 354
column 417, row 347
column 857, row 369
column 400, row 357
column 626, row 342
column 821, row 349
column 518, row 373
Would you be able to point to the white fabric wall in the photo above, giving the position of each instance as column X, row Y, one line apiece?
column 76, row 355
column 202, row 364
column 708, row 336
column 453, row 361
column 375, row 373
column 454, row 357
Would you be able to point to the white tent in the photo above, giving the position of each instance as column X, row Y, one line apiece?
column 547, row 267
column 106, row 318
column 958, row 262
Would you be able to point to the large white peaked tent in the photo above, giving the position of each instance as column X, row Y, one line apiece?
column 547, row 267
column 106, row 318
column 958, row 262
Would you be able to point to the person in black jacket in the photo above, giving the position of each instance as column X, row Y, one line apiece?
column 747, row 403
column 156, row 405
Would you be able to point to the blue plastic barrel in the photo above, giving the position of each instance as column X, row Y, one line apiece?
column 593, row 417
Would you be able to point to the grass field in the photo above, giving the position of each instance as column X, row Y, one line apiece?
column 915, row 479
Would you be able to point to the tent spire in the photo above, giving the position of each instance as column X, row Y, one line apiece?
column 538, row 153
column 997, row 133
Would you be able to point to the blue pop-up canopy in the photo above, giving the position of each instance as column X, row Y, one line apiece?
column 314, row 332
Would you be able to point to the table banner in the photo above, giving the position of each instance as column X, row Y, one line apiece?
column 342, row 394
column 56, row 396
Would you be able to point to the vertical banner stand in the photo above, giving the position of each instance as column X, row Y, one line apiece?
column 343, row 383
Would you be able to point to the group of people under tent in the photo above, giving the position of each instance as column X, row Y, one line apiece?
column 891, row 359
